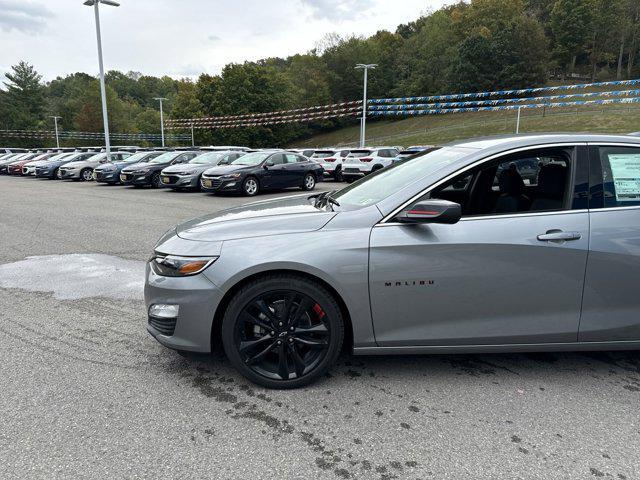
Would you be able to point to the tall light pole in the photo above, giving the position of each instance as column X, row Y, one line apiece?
column 363, row 120
column 160, row 99
column 55, row 121
column 103, row 92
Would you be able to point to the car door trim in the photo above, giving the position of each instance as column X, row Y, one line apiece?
column 496, row 348
column 428, row 189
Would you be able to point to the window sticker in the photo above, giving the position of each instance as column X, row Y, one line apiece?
column 625, row 169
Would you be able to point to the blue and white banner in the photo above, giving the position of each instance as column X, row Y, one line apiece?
column 502, row 93
column 439, row 111
column 502, row 101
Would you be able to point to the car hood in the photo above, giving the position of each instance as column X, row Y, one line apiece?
column 272, row 217
column 187, row 168
column 225, row 169
column 140, row 166
column 78, row 164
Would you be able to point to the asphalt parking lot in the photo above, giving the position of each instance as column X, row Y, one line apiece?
column 87, row 393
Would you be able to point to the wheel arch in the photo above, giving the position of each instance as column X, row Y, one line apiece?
column 216, row 328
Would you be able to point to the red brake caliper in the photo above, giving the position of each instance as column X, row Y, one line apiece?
column 318, row 309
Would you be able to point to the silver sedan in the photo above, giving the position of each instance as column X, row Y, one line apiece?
column 517, row 243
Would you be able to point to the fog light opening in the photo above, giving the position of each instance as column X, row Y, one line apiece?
column 162, row 310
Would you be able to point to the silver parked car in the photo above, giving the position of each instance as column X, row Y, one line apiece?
column 451, row 251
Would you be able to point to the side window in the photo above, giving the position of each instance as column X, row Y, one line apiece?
column 277, row 159
column 538, row 180
column 383, row 153
column 291, row 158
column 344, row 153
column 620, row 176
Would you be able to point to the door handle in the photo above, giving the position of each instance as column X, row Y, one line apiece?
column 559, row 236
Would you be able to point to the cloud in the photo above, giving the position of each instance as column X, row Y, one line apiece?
column 337, row 10
column 214, row 38
column 23, row 16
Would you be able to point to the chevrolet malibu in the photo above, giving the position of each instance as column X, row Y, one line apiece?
column 83, row 169
column 450, row 251
column 148, row 173
column 187, row 175
column 51, row 168
column 263, row 170
column 110, row 172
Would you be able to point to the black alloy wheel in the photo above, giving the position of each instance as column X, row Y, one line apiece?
column 283, row 331
column 155, row 180
column 57, row 174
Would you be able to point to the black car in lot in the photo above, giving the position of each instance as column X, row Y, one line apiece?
column 110, row 172
column 263, row 170
column 51, row 169
column 148, row 173
column 183, row 176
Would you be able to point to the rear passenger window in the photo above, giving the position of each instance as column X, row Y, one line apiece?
column 620, row 175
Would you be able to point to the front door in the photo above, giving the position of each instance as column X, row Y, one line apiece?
column 275, row 175
column 510, row 272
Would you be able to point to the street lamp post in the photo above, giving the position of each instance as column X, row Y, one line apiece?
column 103, row 92
column 363, row 120
column 160, row 99
column 55, row 121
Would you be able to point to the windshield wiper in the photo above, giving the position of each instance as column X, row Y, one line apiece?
column 324, row 198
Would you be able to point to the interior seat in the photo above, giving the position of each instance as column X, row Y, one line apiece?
column 511, row 198
column 552, row 180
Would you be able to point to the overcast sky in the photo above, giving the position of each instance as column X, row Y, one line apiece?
column 183, row 37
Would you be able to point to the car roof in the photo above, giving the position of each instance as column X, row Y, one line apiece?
column 514, row 141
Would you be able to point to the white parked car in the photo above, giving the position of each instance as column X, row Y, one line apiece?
column 305, row 152
column 331, row 161
column 362, row 161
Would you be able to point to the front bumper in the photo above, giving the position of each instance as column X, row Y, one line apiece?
column 28, row 170
column 180, row 181
column 45, row 172
column 15, row 170
column 106, row 177
column 69, row 174
column 135, row 178
column 198, row 299
column 217, row 184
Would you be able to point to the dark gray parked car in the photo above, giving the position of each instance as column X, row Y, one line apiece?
column 148, row 173
column 187, row 175
column 110, row 172
column 431, row 255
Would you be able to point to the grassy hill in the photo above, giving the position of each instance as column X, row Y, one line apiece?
column 439, row 129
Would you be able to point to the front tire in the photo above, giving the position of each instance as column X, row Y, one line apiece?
column 155, row 180
column 56, row 174
column 282, row 331
column 250, row 186
column 86, row 175
column 337, row 174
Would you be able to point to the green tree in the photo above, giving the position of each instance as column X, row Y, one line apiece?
column 24, row 98
column 570, row 22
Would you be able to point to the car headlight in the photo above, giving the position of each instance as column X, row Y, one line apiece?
column 175, row 266
column 231, row 175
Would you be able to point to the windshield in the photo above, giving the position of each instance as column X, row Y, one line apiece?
column 383, row 183
column 165, row 157
column 207, row 158
column 251, row 159
column 139, row 157
column 360, row 153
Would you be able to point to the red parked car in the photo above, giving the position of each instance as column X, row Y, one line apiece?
column 15, row 168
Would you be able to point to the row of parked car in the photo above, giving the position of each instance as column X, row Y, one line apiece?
column 210, row 169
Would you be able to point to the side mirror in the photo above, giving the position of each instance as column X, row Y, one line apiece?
column 268, row 164
column 431, row 211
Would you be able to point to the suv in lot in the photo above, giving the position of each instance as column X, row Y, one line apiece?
column 148, row 173
column 363, row 161
column 331, row 161
column 83, row 169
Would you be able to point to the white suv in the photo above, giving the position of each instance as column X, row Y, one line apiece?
column 331, row 161
column 361, row 162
